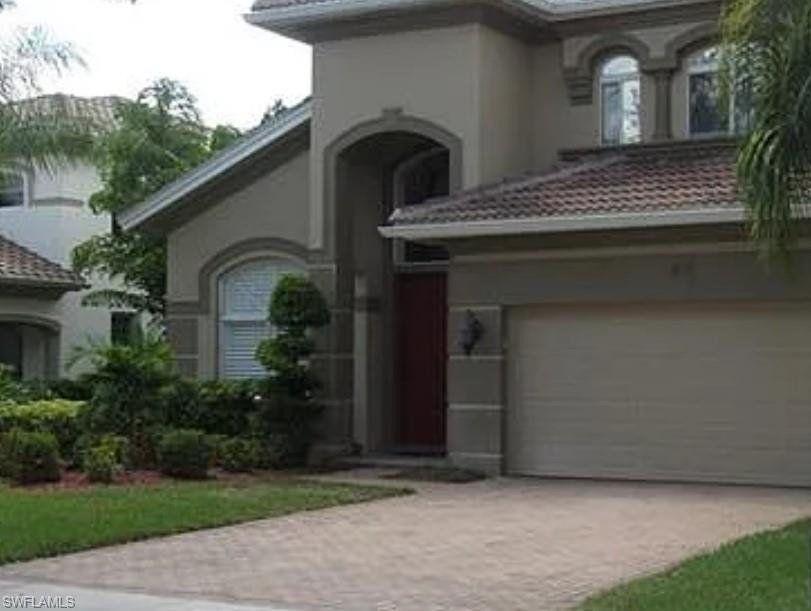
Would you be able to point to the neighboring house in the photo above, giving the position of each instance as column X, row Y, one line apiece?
column 43, row 216
column 581, row 213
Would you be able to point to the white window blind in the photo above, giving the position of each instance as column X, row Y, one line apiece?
column 244, row 298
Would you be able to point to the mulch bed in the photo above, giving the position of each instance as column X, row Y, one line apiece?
column 76, row 480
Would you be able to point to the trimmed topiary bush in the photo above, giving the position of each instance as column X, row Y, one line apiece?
column 29, row 458
column 184, row 453
column 288, row 413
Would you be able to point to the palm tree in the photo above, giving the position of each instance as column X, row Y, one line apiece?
column 767, row 56
column 32, row 132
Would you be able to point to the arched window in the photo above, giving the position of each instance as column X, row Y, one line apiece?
column 706, row 116
column 705, row 110
column 13, row 188
column 619, row 101
column 244, row 297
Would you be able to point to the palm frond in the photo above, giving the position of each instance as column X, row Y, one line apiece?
column 768, row 48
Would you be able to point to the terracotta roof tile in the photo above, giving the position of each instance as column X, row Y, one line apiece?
column 19, row 265
column 641, row 180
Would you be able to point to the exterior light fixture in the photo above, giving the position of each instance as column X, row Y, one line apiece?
column 471, row 332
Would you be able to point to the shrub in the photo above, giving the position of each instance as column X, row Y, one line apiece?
column 215, row 445
column 184, row 453
column 73, row 390
column 12, row 389
column 59, row 417
column 100, row 463
column 240, row 454
column 215, row 407
column 119, row 446
column 286, row 417
column 29, row 457
column 288, row 424
column 128, row 382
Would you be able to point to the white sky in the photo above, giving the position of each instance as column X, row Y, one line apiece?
column 234, row 69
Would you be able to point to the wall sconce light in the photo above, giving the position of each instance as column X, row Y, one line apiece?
column 471, row 332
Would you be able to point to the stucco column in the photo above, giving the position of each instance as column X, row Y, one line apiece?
column 663, row 126
column 476, row 391
column 333, row 363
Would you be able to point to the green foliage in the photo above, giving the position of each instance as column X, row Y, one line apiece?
column 158, row 138
column 120, row 447
column 12, row 389
column 137, row 260
column 239, row 454
column 216, row 407
column 288, row 426
column 288, row 412
column 57, row 417
column 100, row 464
column 128, row 382
column 184, row 453
column 767, row 52
column 29, row 458
column 296, row 308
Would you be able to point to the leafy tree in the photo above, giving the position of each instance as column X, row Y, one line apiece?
column 767, row 54
column 157, row 138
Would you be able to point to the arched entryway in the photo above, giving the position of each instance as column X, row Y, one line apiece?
column 396, row 290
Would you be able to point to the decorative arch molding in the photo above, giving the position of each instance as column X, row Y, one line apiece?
column 34, row 320
column 702, row 35
column 240, row 253
column 391, row 121
column 580, row 78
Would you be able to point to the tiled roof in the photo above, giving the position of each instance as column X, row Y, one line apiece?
column 21, row 266
column 100, row 110
column 638, row 180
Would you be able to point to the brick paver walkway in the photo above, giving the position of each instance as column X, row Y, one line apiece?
column 497, row 545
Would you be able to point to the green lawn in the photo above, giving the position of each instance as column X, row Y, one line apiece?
column 764, row 572
column 45, row 523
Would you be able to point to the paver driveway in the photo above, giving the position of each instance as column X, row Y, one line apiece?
column 504, row 544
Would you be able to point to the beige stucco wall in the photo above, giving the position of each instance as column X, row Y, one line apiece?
column 274, row 205
column 432, row 75
column 507, row 106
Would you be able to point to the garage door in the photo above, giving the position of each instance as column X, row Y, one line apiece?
column 675, row 393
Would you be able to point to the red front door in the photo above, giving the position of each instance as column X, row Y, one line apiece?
column 421, row 336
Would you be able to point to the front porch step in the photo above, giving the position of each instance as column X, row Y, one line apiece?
column 394, row 461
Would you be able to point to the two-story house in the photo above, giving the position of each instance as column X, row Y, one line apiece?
column 524, row 215
column 44, row 214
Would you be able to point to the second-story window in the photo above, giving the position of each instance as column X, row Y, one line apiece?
column 706, row 113
column 619, row 101
column 12, row 189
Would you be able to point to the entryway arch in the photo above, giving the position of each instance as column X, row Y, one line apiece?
column 397, row 348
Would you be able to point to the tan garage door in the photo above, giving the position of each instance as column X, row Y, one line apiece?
column 710, row 393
